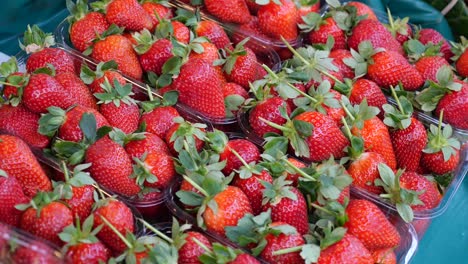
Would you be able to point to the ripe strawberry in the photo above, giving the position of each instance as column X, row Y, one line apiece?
column 348, row 250
column 120, row 216
column 279, row 20
column 282, row 241
column 374, row 32
column 111, row 167
column 47, row 218
column 234, row 89
column 229, row 11
column 43, row 91
column 294, row 177
column 232, row 205
column 200, row 88
column 159, row 120
column 364, row 171
column 104, row 70
column 157, row 10
column 12, row 80
column 363, row 9
column 287, row 204
column 384, row 256
column 214, row 32
column 454, row 104
column 429, row 65
column 120, row 49
column 36, row 252
column 180, row 131
column 327, row 102
column 244, row 148
column 428, row 35
column 269, row 109
column 21, row 122
column 128, row 14
column 369, row 224
column 82, row 201
column 190, row 251
column 11, row 194
column 154, row 170
column 37, row 42
column 117, row 107
column 251, row 29
column 17, row 160
column 430, row 195
column 153, row 53
column 149, row 144
column 253, row 188
column 180, row 32
column 339, row 57
column 305, row 8
column 364, row 89
column 82, row 246
column 77, row 89
column 320, row 29
column 85, row 25
column 210, row 53
column 399, row 28
column 461, row 58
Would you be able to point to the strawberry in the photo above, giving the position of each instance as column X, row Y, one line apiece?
column 119, row 48
column 306, row 7
column 384, row 256
column 428, row 59
column 430, row 196
column 428, row 66
column 241, row 65
column 21, row 122
column 125, row 13
column 77, row 89
column 117, row 107
column 363, row 9
column 190, row 251
column 210, row 53
column 253, row 188
column 369, row 224
column 85, row 25
column 104, row 70
column 284, row 240
column 120, row 216
column 214, row 32
column 11, row 194
column 287, row 204
column 43, row 91
column 185, row 131
column 348, row 250
column 225, row 254
column 154, row 170
column 157, row 11
column 148, row 144
column 12, row 80
column 38, row 43
column 111, row 167
column 200, row 88
column 69, row 126
column 234, row 97
column 454, row 104
column 243, row 148
column 428, row 35
column 159, row 120
column 376, row 33
column 294, row 177
column 461, row 57
column 35, row 252
column 279, row 20
column 339, row 57
column 320, row 29
column 82, row 246
column 153, row 53
column 442, row 152
column 18, row 161
column 269, row 109
column 180, row 32
column 46, row 218
column 399, row 28
column 229, row 11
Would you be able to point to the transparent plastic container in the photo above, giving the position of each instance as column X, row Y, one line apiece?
column 404, row 252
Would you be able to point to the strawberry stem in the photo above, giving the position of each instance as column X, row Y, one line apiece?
column 287, row 250
column 274, row 125
column 298, row 170
column 203, row 246
column 102, row 193
column 9, row 84
column 150, row 93
column 347, row 129
column 156, row 231
column 348, row 113
column 111, row 226
column 390, row 20
column 392, row 89
column 65, row 171
column 318, row 207
column 196, row 186
column 240, row 158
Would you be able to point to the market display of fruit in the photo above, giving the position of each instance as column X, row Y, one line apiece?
column 350, row 143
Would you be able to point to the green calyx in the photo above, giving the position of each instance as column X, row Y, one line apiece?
column 323, row 98
column 232, row 56
column 39, row 201
column 141, row 172
column 356, row 115
column 219, row 254
column 187, row 133
column 50, row 123
column 77, row 234
column 115, row 93
column 35, row 40
column 88, row 76
column 276, row 191
column 77, row 178
column 362, row 58
column 416, row 50
column 168, row 99
column 441, row 140
column 9, row 77
column 397, row 26
column 459, row 48
column 312, row 21
column 144, row 41
column 398, row 118
column 356, row 148
column 119, row 137
column 77, row 10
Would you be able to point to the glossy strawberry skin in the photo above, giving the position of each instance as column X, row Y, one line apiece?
column 282, row 241
column 111, row 167
column 150, row 144
column 111, row 75
column 162, row 166
column 44, row 91
column 209, row 54
column 279, row 20
column 190, row 251
column 86, row 253
column 181, row 32
column 52, row 219
column 427, row 35
column 369, row 224
column 11, row 194
column 455, row 105
column 235, row 11
column 295, row 177
column 214, row 32
column 160, row 120
column 462, row 64
column 430, row 194
column 162, row 11
column 376, row 33
column 254, row 189
column 36, row 252
column 17, row 160
column 364, row 171
column 58, row 58
column 79, row 92
column 83, row 31
column 369, row 90
column 81, row 202
column 70, row 129
column 246, row 149
column 234, row 89
column 128, row 14
column 429, row 65
column 436, row 163
column 338, row 55
column 198, row 142
column 409, row 144
column 363, row 9
column 244, row 259
column 348, row 250
column 325, row 130
column 124, row 117
column 21, row 122
column 329, row 28
column 269, row 110
column 200, row 88
column 233, row 204
column 121, row 217
column 154, row 59
column 244, row 70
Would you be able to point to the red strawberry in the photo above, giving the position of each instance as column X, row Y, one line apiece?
column 294, row 177
column 348, row 250
column 120, row 216
column 214, row 32
column 244, row 148
column 85, row 25
column 327, row 101
column 200, row 88
column 428, row 35
column 282, row 241
column 181, row 32
column 111, row 167
column 190, row 251
column 430, row 195
column 234, row 89
column 279, row 20
column 157, row 10
column 82, row 201
column 268, row 109
column 461, row 63
column 287, row 204
column 384, row 256
column 253, row 188
column 399, row 28
column 429, row 65
column 369, row 224
column 454, row 104
column 11, row 194
column 244, row 258
column 21, row 122
column 17, row 160
column 339, row 57
column 118, row 108
column 128, row 14
column 36, row 252
column 149, row 144
column 364, row 171
column 305, row 8
column 78, row 91
column 154, row 170
column 104, row 70
column 153, row 53
column 365, row 89
column 159, row 120
column 363, row 9
column 235, row 11
column 210, row 53
column 320, row 29
column 376, row 33
column 48, row 219
column 43, row 91
column 12, row 86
